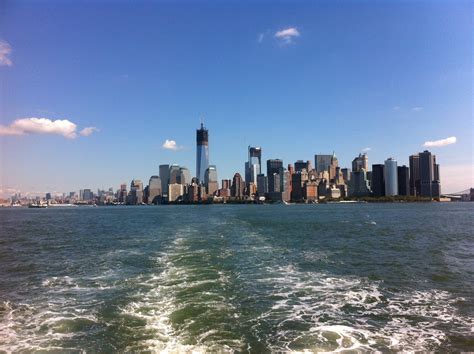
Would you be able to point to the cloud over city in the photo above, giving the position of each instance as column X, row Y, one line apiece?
column 27, row 126
column 287, row 34
column 5, row 51
column 441, row 142
column 88, row 131
column 171, row 145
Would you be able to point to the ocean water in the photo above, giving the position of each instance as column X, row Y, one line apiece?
column 244, row 278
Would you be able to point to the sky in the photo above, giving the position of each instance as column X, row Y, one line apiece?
column 96, row 93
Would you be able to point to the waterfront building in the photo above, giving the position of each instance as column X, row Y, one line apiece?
column 426, row 173
column 154, row 190
column 86, row 195
column 184, row 176
column 359, row 184
column 262, row 184
column 238, row 186
column 300, row 165
column 122, row 193
column 415, row 184
column 175, row 192
column 323, row 187
column 346, row 174
column 202, row 152
column 322, row 162
column 378, row 180
column 253, row 167
column 210, row 180
column 48, row 196
column 332, row 167
column 165, row 178
column 403, row 180
column 274, row 166
column 226, row 183
column 136, row 192
column 285, row 185
column 360, row 162
column 310, row 191
column 391, row 177
column 174, row 174
column 297, row 187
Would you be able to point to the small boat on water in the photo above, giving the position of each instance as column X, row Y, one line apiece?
column 37, row 205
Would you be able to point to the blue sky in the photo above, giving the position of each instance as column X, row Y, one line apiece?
column 340, row 76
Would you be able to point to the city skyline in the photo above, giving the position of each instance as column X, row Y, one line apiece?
column 293, row 83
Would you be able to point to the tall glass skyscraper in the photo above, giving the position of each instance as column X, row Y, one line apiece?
column 253, row 167
column 202, row 152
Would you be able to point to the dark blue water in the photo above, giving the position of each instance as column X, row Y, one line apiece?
column 255, row 278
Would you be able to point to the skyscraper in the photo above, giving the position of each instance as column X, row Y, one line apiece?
column 253, row 167
column 210, row 180
column 238, row 186
column 391, row 177
column 300, row 164
column 274, row 166
column 202, row 152
column 154, row 189
column 403, row 180
column 165, row 179
column 361, row 161
column 184, row 176
column 174, row 174
column 429, row 175
column 322, row 162
column 378, row 180
column 415, row 186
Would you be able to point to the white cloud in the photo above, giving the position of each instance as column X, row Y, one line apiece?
column 260, row 38
column 367, row 149
column 64, row 127
column 417, row 109
column 88, row 131
column 24, row 126
column 5, row 51
column 441, row 142
column 396, row 108
column 171, row 145
column 287, row 34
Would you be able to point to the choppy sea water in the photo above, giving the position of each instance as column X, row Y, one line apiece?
column 251, row 278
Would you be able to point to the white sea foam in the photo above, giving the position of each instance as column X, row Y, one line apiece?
column 348, row 313
column 157, row 302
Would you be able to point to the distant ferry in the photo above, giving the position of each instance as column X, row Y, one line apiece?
column 37, row 205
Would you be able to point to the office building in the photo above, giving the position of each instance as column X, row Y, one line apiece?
column 297, row 187
column 176, row 191
column 391, row 177
column 378, row 180
column 135, row 195
column 154, row 190
column 346, row 174
column 253, row 167
column 403, row 180
column 165, row 179
column 202, row 152
column 210, row 180
column 300, row 165
column 274, row 166
column 429, row 175
column 332, row 167
column 174, row 174
column 360, row 162
column 238, row 186
column 359, row 184
column 184, row 176
column 322, row 162
column 262, row 184
column 415, row 184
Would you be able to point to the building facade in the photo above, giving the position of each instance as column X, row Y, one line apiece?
column 202, row 152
